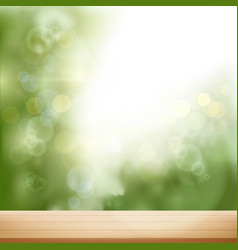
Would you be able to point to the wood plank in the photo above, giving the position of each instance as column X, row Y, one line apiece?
column 118, row 226
column 58, row 226
column 123, row 213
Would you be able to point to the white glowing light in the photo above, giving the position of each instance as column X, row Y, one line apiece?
column 225, row 89
column 148, row 71
column 142, row 76
column 195, row 121
column 146, row 152
column 176, row 143
column 181, row 108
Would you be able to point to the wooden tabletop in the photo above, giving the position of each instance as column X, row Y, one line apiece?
column 118, row 226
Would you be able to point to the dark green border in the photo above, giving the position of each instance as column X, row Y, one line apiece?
column 110, row 246
column 120, row 2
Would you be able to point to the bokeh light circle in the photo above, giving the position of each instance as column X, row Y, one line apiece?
column 23, row 77
column 34, row 182
column 203, row 99
column 73, row 202
column 187, row 156
column 40, row 131
column 10, row 115
column 49, row 118
column 216, row 109
column 61, row 103
column 38, row 148
column 18, row 155
column 31, row 85
column 77, row 175
column 181, row 108
column 40, row 40
column 198, row 168
column 34, row 106
column 85, row 189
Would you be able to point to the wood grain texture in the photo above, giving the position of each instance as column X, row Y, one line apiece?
column 118, row 226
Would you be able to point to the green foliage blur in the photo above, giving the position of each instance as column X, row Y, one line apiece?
column 43, row 167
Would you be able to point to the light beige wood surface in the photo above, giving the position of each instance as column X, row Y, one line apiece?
column 118, row 226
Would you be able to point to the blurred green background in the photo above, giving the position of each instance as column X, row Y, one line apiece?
column 49, row 56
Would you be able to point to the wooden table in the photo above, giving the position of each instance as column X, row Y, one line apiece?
column 118, row 226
